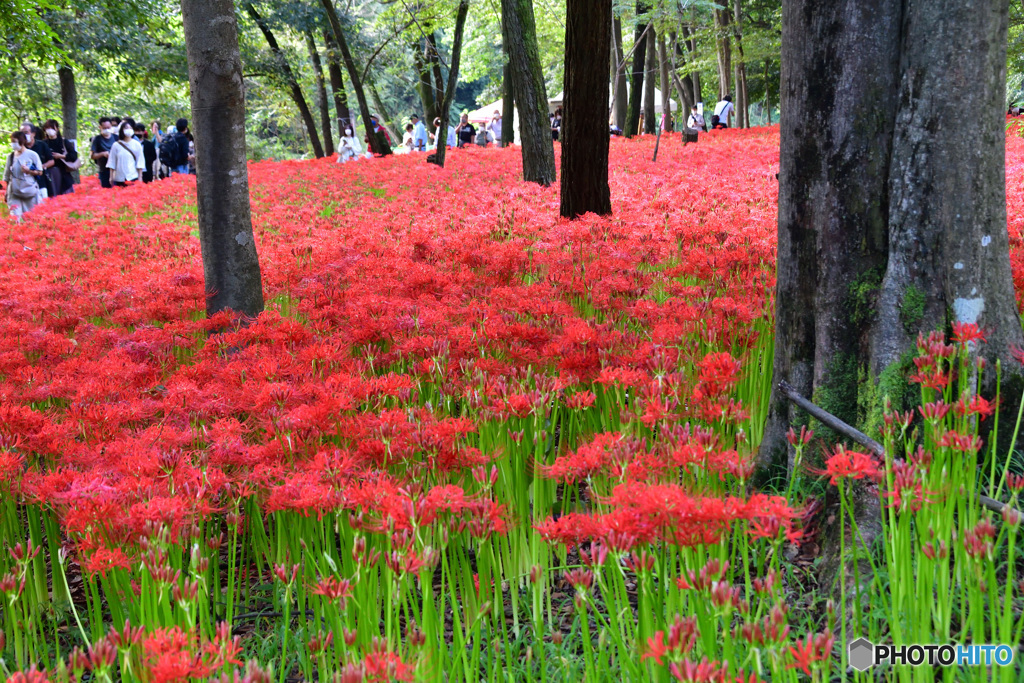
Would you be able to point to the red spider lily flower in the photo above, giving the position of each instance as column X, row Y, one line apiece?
column 334, row 589
column 656, row 648
column 966, row 443
column 967, row 333
column 845, row 464
column 813, row 649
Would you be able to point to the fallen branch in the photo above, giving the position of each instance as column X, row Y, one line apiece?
column 837, row 425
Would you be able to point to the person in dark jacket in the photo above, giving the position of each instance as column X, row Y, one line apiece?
column 63, row 153
column 32, row 135
column 148, row 151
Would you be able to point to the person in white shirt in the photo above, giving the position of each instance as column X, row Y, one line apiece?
column 419, row 135
column 723, row 110
column 350, row 147
column 126, row 158
column 495, row 128
column 453, row 140
column 694, row 125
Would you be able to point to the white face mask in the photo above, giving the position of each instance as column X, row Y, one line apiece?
column 16, row 146
column 29, row 138
column 127, row 132
column 51, row 133
column 348, row 132
column 105, row 132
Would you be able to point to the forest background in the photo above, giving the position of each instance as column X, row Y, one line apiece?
column 127, row 57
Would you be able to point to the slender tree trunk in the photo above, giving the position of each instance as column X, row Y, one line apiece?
column 293, row 84
column 321, row 93
column 434, row 59
column 585, row 149
column 650, row 78
column 742, row 105
column 378, row 145
column 666, row 85
column 508, row 111
column 337, row 84
column 636, row 79
column 69, row 109
column 423, row 84
column 231, row 265
column 520, row 34
column 453, row 80
column 621, row 97
column 385, row 115
column 683, row 86
column 691, row 49
column 723, row 50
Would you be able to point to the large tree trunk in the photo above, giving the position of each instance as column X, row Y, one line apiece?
column 666, row 85
column 723, row 51
column 621, row 98
column 378, row 144
column 321, row 93
column 424, row 86
column 508, row 106
column 585, row 148
column 650, row 77
column 344, row 116
column 892, row 220
column 740, row 70
column 69, row 109
column 520, row 34
column 293, row 85
column 231, row 266
column 636, row 77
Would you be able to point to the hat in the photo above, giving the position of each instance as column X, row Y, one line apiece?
column 415, row 117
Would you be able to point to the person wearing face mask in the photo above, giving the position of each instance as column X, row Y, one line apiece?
column 33, row 137
column 124, row 163
column 22, row 169
column 148, row 152
column 101, row 147
column 65, row 159
column 350, row 148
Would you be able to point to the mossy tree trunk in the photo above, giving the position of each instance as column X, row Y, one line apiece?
column 519, row 33
column 892, row 223
column 636, row 76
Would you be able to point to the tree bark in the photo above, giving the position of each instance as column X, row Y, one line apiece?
column 684, row 85
column 520, row 34
column 230, row 263
column 585, row 148
column 621, row 99
column 723, row 50
column 69, row 109
column 321, row 93
column 666, row 84
column 377, row 143
column 434, row 59
column 892, row 215
column 424, row 86
column 382, row 110
column 293, row 85
column 691, row 48
column 508, row 110
column 453, row 80
column 636, row 78
column 650, row 76
column 341, row 110
column 740, row 70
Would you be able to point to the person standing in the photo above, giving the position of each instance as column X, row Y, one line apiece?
column 452, row 139
column 32, row 136
column 22, row 169
column 100, row 150
column 694, row 125
column 723, row 110
column 495, row 128
column 148, row 152
column 466, row 131
column 350, row 147
column 123, row 162
column 407, row 137
column 556, row 124
column 174, row 148
column 65, row 158
column 419, row 135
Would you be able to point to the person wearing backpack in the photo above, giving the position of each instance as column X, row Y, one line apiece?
column 174, row 148
column 20, row 172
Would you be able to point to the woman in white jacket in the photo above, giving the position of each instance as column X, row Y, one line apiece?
column 125, row 160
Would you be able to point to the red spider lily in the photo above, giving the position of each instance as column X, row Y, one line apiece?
column 844, row 464
column 967, row 333
column 813, row 649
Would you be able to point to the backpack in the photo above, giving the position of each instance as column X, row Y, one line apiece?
column 174, row 151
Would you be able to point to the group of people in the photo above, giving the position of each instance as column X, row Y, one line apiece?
column 125, row 151
column 40, row 165
column 695, row 123
column 418, row 139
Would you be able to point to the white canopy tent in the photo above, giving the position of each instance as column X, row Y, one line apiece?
column 557, row 100
column 483, row 115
